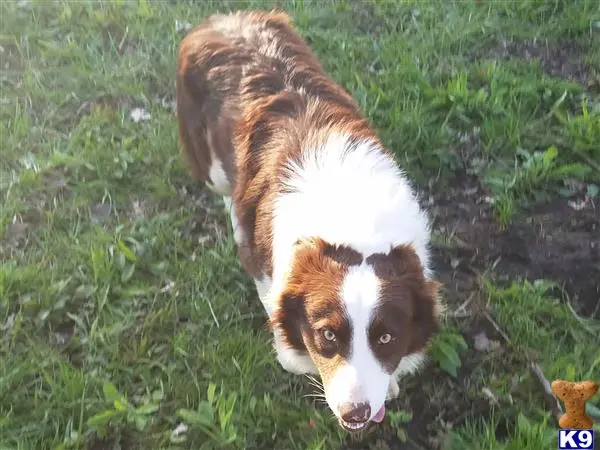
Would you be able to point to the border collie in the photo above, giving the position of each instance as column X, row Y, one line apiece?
column 324, row 220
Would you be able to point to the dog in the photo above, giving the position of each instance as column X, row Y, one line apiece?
column 324, row 220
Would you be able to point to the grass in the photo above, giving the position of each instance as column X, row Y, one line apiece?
column 118, row 274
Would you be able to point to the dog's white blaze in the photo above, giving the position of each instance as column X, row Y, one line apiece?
column 362, row 378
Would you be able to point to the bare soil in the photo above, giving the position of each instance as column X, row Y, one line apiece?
column 553, row 241
column 564, row 59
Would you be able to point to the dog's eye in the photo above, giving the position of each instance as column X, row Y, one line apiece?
column 385, row 338
column 329, row 335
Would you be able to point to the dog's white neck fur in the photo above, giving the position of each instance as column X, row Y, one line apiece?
column 355, row 196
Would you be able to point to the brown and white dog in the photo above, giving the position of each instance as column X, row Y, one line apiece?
column 324, row 220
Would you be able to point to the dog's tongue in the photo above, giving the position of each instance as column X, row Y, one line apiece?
column 379, row 416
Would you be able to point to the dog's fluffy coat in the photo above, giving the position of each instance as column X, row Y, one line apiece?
column 325, row 222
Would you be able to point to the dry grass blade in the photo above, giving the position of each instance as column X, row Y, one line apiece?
column 552, row 402
column 121, row 47
column 497, row 327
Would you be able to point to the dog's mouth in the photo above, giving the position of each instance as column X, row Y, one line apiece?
column 356, row 426
column 353, row 426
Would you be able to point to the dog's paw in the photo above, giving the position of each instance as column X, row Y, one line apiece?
column 393, row 389
column 292, row 361
column 296, row 364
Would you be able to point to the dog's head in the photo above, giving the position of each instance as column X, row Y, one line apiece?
column 357, row 317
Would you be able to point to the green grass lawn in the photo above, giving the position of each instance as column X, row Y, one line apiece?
column 126, row 320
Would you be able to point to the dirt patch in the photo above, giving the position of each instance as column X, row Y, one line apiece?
column 209, row 222
column 553, row 241
column 126, row 442
column 105, row 101
column 366, row 18
column 12, row 63
column 15, row 238
column 564, row 59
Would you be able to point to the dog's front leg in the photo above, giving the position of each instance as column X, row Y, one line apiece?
column 393, row 388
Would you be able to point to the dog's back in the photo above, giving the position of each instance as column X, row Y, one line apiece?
column 236, row 69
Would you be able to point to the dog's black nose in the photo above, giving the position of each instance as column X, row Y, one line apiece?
column 355, row 412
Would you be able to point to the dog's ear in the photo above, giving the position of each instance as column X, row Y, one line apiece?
column 427, row 307
column 403, row 272
column 289, row 318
